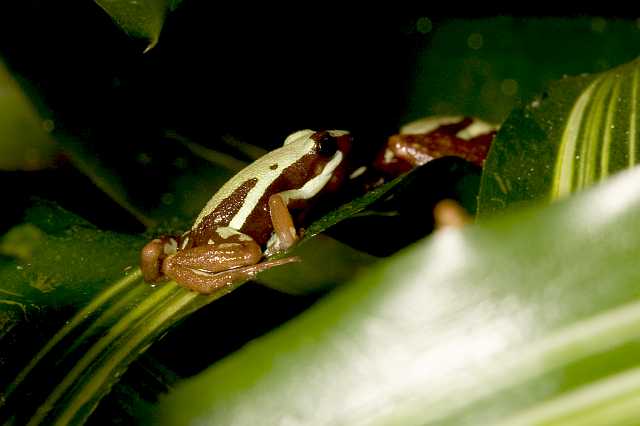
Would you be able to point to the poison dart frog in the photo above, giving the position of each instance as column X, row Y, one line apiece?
column 433, row 137
column 249, row 212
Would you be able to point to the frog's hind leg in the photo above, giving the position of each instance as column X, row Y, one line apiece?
column 206, row 282
column 215, row 257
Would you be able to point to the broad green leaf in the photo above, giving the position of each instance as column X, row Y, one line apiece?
column 486, row 67
column 60, row 258
column 581, row 131
column 500, row 321
column 139, row 18
column 25, row 143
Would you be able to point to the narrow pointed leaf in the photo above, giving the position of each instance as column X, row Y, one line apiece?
column 139, row 18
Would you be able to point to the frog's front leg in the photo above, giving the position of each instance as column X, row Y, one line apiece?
column 284, row 231
column 232, row 256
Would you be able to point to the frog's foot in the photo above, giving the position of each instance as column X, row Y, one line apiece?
column 152, row 257
column 207, row 282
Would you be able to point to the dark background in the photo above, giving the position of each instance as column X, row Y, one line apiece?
column 252, row 74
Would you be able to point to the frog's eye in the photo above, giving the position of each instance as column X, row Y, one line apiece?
column 326, row 144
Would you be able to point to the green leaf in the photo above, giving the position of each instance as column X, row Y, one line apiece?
column 115, row 315
column 139, row 18
column 317, row 251
column 487, row 67
column 498, row 321
column 25, row 143
column 355, row 207
column 55, row 250
column 581, row 131
column 74, row 314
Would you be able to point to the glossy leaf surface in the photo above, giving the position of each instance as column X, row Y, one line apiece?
column 501, row 321
column 580, row 132
column 58, row 261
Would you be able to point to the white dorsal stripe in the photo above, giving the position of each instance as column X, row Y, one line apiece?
column 260, row 170
column 298, row 145
column 226, row 232
column 429, row 124
column 477, row 128
column 300, row 134
column 313, row 186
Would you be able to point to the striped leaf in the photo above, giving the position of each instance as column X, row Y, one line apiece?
column 578, row 133
column 116, row 316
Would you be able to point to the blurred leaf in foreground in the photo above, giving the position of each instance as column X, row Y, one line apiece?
column 25, row 143
column 528, row 318
column 581, row 131
column 139, row 18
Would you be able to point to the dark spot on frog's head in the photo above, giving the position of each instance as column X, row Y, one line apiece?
column 273, row 166
column 326, row 145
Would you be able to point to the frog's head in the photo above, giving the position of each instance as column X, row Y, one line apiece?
column 323, row 142
column 322, row 155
